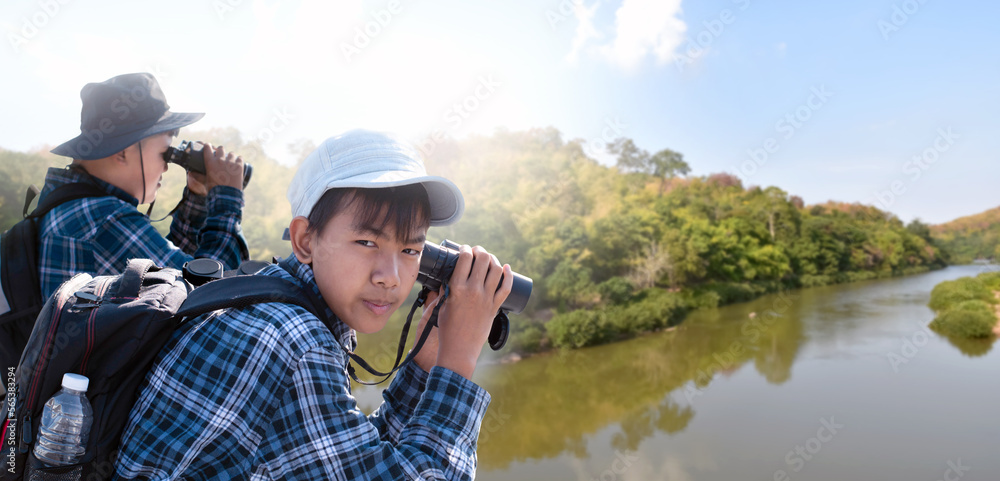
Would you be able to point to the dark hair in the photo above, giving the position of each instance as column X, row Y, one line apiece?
column 406, row 208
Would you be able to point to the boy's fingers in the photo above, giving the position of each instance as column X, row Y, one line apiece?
column 196, row 176
column 432, row 301
column 481, row 266
column 493, row 277
column 464, row 264
column 506, row 286
column 426, row 314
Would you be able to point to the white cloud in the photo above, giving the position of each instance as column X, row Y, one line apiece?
column 642, row 28
column 585, row 29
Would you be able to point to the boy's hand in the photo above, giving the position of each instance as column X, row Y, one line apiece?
column 221, row 168
column 196, row 183
column 467, row 315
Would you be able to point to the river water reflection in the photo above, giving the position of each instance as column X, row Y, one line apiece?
column 831, row 383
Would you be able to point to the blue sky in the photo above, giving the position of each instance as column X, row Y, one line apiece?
column 891, row 103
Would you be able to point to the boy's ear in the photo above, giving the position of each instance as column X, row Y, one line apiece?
column 120, row 158
column 302, row 239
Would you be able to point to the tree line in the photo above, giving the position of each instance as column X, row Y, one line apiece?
column 971, row 238
column 618, row 250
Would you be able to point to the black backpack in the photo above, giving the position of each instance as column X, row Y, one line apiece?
column 110, row 329
column 19, row 280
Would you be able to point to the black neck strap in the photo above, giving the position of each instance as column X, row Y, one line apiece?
column 178, row 206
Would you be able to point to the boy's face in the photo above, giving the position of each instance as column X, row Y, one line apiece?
column 154, row 166
column 364, row 275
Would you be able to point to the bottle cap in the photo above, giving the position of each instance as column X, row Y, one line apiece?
column 75, row 382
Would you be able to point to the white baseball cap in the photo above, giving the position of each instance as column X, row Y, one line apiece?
column 370, row 160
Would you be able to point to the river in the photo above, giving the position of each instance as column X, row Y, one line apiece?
column 829, row 383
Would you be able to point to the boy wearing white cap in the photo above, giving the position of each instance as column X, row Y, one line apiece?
column 263, row 391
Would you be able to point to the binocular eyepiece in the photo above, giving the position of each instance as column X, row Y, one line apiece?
column 191, row 156
column 437, row 263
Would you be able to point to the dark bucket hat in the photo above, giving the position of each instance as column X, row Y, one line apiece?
column 119, row 112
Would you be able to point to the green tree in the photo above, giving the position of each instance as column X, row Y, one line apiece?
column 919, row 229
column 570, row 285
column 629, row 157
column 667, row 164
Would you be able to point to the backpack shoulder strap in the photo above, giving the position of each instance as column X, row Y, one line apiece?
column 133, row 275
column 61, row 195
column 29, row 196
column 243, row 291
column 20, row 247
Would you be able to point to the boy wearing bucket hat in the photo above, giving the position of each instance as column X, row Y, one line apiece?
column 126, row 126
column 264, row 392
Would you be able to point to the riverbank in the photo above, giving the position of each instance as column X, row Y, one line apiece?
column 657, row 309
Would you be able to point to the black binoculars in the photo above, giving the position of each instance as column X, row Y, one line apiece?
column 437, row 263
column 191, row 157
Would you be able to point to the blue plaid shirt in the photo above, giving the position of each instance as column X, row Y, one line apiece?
column 263, row 393
column 98, row 235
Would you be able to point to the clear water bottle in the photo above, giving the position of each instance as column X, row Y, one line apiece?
column 62, row 437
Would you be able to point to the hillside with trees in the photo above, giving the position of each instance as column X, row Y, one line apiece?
column 619, row 250
column 613, row 250
column 972, row 237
